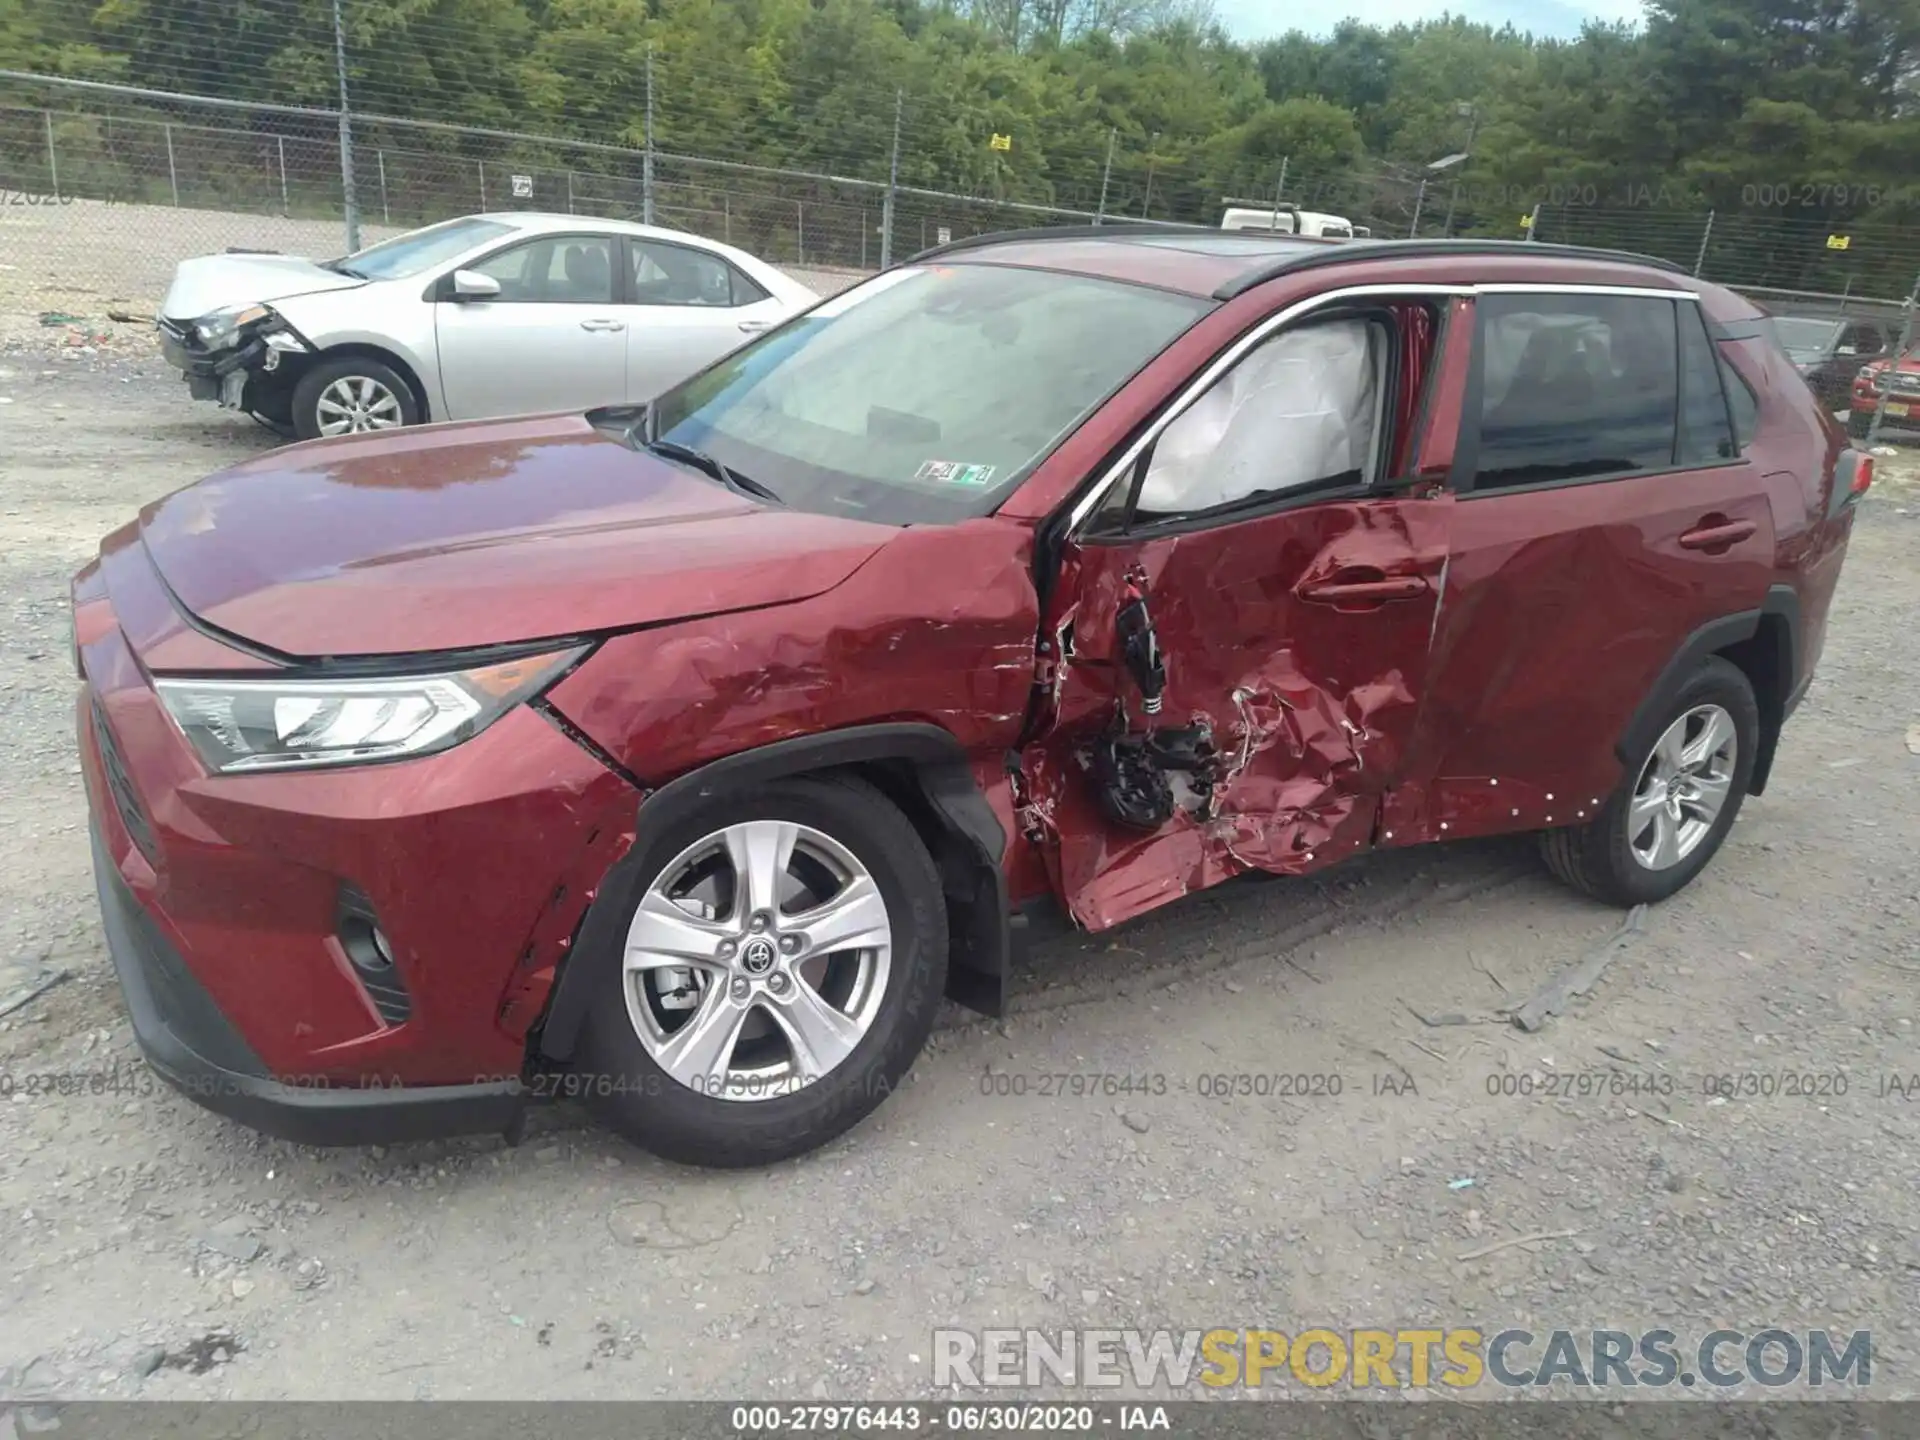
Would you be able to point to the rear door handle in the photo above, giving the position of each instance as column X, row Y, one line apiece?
column 1715, row 532
column 1364, row 592
column 603, row 324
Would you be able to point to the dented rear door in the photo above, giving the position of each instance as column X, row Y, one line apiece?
column 1294, row 640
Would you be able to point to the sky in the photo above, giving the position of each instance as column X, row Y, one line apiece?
column 1258, row 19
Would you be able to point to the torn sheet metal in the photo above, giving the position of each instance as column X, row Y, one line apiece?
column 1309, row 705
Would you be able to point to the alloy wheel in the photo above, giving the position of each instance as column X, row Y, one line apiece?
column 354, row 403
column 1682, row 788
column 757, row 960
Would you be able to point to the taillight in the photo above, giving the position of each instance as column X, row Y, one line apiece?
column 1852, row 478
column 1862, row 475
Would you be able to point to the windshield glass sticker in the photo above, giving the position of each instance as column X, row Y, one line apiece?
column 952, row 472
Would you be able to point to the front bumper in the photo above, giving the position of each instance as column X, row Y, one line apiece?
column 220, row 375
column 225, row 899
column 195, row 1049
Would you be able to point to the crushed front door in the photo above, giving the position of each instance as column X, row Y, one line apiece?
column 1294, row 646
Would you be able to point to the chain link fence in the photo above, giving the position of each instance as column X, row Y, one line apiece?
column 106, row 188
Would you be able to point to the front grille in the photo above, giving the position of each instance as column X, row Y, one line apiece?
column 1907, row 382
column 126, row 799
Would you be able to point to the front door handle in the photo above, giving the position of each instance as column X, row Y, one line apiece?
column 754, row 327
column 1716, row 533
column 603, row 324
column 1375, row 590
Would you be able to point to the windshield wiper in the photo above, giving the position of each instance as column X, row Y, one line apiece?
column 340, row 267
column 699, row 459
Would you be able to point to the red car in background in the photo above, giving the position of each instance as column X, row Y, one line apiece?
column 683, row 757
column 1901, row 381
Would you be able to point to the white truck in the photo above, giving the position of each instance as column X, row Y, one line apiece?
column 1288, row 219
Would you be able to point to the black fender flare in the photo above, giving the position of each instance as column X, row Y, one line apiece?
column 1779, row 618
column 968, row 843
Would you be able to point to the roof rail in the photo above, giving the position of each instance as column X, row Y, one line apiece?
column 1365, row 249
column 1112, row 229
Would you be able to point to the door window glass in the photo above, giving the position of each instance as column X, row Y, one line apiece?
column 1575, row 386
column 1301, row 411
column 680, row 275
column 563, row 269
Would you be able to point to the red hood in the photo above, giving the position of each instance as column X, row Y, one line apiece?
column 453, row 536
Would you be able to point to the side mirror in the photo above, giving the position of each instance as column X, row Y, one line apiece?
column 472, row 285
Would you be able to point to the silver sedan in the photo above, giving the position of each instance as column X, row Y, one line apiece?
column 487, row 315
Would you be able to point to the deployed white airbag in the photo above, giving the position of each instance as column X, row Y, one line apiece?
column 1300, row 408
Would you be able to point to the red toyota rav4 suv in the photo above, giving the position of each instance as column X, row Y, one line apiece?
column 682, row 758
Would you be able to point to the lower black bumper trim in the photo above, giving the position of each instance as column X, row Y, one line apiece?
column 303, row 1114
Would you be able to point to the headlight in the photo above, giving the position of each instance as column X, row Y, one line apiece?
column 221, row 328
column 266, row 724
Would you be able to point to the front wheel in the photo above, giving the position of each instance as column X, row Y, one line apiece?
column 785, row 954
column 1674, row 808
column 351, row 395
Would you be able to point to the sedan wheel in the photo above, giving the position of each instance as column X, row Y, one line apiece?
column 357, row 402
column 351, row 395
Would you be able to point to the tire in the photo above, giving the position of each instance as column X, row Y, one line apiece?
column 1858, row 423
column 631, row 1091
column 389, row 397
column 1600, row 858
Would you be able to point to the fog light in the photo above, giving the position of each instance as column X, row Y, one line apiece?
column 371, row 954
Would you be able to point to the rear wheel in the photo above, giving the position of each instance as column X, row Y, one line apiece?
column 350, row 395
column 1674, row 808
column 785, row 955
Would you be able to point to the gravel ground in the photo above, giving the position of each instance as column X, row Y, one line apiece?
column 153, row 1249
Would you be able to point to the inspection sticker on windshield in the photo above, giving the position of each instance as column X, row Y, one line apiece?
column 952, row 472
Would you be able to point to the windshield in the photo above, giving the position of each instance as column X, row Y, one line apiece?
column 419, row 250
column 926, row 394
column 1802, row 336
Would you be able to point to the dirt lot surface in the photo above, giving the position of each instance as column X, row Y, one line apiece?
column 150, row 1248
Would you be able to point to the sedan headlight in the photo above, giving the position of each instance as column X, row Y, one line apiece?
column 266, row 724
column 222, row 327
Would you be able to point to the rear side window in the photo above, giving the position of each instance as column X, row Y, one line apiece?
column 1862, row 340
column 1744, row 404
column 1706, row 434
column 666, row 274
column 1575, row 386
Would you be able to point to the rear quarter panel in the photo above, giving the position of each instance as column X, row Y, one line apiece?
column 1797, row 447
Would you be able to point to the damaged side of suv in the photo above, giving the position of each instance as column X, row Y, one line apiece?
column 1242, row 615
